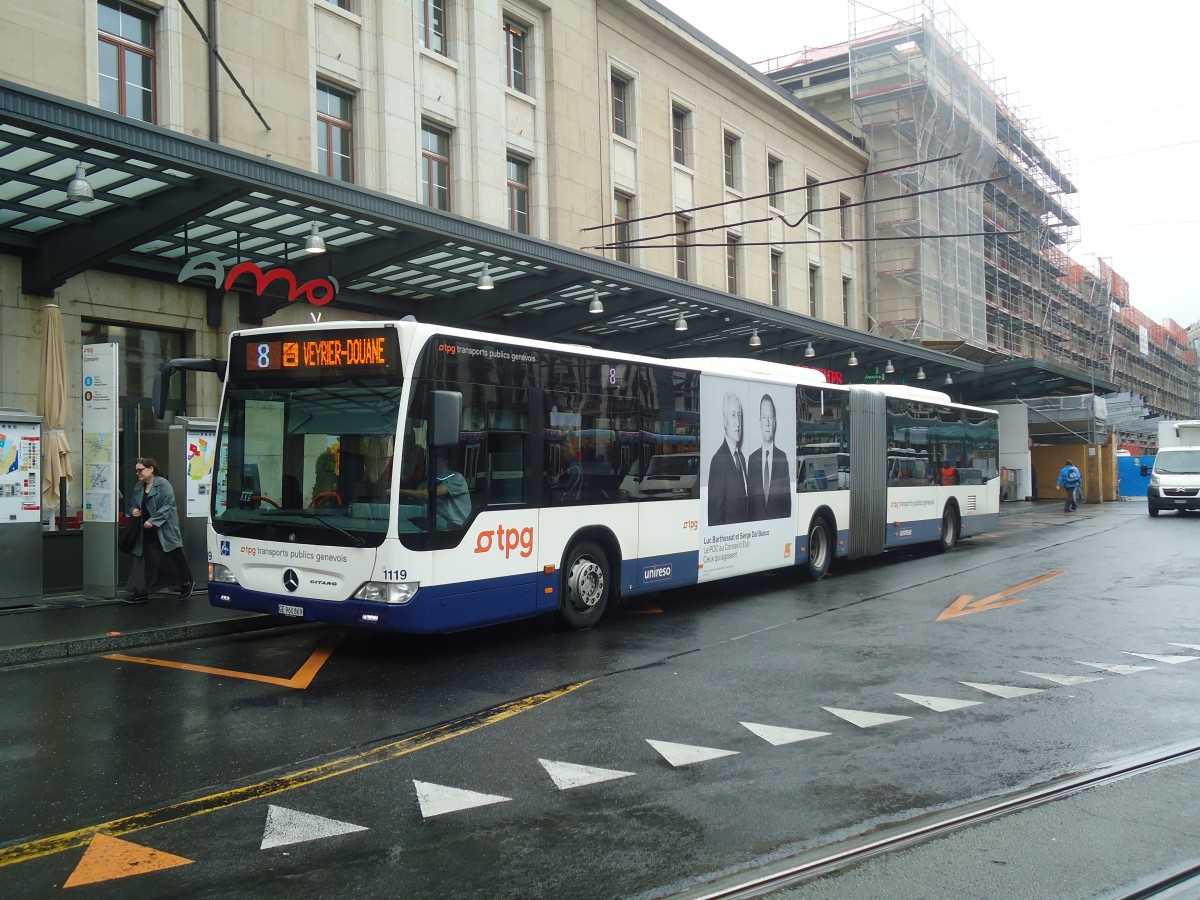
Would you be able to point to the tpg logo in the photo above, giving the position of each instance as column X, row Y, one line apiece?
column 655, row 572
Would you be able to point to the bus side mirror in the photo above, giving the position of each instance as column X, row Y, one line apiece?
column 446, row 414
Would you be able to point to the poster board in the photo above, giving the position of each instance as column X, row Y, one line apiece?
column 20, row 471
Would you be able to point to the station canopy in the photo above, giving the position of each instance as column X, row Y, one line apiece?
column 162, row 198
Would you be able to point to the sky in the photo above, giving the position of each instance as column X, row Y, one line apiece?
column 1109, row 86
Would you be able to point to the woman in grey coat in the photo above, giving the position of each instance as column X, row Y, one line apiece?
column 159, row 549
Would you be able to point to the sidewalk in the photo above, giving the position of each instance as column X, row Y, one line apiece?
column 69, row 625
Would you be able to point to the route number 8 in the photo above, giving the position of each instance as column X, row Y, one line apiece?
column 264, row 356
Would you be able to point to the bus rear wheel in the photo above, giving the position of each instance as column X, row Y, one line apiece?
column 820, row 549
column 950, row 529
column 586, row 586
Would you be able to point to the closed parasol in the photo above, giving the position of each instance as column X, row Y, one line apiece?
column 56, row 451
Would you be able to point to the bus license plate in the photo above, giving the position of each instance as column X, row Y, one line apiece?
column 285, row 610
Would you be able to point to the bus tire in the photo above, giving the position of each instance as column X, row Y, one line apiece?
column 950, row 528
column 820, row 549
column 586, row 586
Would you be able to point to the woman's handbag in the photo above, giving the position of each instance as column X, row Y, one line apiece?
column 128, row 537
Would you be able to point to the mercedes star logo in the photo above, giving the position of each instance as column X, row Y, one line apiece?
column 291, row 580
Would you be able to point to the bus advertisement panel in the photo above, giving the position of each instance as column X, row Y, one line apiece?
column 747, row 444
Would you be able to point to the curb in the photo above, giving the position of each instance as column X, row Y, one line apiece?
column 107, row 643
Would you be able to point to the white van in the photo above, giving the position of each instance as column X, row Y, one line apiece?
column 1174, row 480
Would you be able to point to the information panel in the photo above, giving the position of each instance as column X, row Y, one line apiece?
column 201, row 451
column 20, row 472
column 100, row 390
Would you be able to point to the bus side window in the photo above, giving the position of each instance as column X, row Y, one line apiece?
column 505, row 469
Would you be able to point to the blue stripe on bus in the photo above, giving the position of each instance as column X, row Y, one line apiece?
column 654, row 573
column 450, row 607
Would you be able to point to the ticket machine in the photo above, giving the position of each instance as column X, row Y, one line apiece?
column 192, row 444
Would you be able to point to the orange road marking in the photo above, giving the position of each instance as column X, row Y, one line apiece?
column 198, row 806
column 643, row 611
column 301, row 680
column 967, row 604
column 109, row 857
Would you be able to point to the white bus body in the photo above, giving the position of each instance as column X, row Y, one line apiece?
column 343, row 492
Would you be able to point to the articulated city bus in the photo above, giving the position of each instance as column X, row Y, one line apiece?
column 414, row 478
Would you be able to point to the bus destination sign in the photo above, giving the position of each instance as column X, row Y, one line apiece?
column 333, row 354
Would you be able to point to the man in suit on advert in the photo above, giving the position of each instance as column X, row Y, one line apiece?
column 768, row 475
column 728, row 499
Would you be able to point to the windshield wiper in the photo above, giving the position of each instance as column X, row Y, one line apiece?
column 309, row 514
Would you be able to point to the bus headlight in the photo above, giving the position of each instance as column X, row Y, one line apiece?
column 221, row 574
column 387, row 591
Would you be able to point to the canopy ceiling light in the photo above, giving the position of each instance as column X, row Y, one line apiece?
column 484, row 281
column 79, row 189
column 314, row 243
column 889, row 369
column 920, row 373
column 596, row 306
column 853, row 360
column 681, row 323
column 755, row 340
column 809, row 352
column 948, row 380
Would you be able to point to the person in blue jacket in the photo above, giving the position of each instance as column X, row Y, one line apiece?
column 159, row 552
column 1069, row 479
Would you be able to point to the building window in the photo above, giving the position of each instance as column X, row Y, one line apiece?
column 518, row 195
column 731, row 153
column 774, row 182
column 733, row 252
column 812, row 194
column 844, row 211
column 340, row 4
column 620, row 106
column 435, row 167
column 334, row 132
column 622, row 213
column 126, row 35
column 847, row 300
column 680, row 121
column 514, row 55
column 681, row 248
column 433, row 25
column 814, row 286
column 776, row 278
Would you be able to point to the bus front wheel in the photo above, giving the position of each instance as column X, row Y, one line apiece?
column 585, row 586
column 950, row 529
column 820, row 549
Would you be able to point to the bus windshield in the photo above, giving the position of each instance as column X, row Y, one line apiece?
column 312, row 464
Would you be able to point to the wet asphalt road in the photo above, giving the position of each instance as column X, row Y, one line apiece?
column 393, row 732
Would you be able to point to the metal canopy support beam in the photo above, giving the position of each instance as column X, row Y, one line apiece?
column 66, row 252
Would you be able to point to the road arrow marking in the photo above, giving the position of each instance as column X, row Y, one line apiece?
column 685, row 754
column 571, row 775
column 289, row 826
column 108, row 857
column 1186, row 646
column 778, row 735
column 864, row 719
column 1007, row 691
column 1169, row 660
column 940, row 704
column 967, row 604
column 437, row 799
column 1117, row 669
column 1068, row 680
